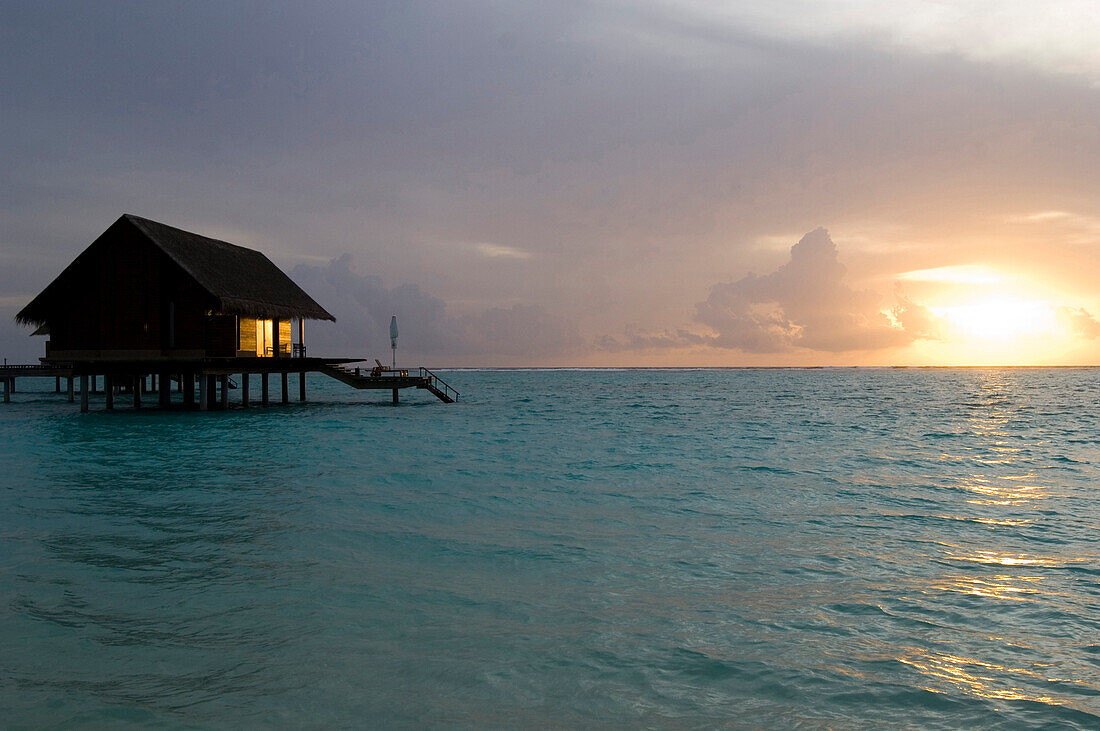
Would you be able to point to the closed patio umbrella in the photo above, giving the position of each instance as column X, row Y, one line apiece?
column 393, row 339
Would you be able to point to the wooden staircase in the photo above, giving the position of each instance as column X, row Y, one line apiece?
column 393, row 379
column 441, row 394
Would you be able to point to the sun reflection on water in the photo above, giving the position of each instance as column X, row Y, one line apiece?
column 991, row 522
column 1001, row 559
column 975, row 677
column 999, row 449
column 1000, row 586
column 995, row 491
column 1002, row 489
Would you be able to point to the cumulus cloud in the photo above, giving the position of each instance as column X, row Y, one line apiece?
column 914, row 318
column 1079, row 322
column 806, row 304
column 363, row 305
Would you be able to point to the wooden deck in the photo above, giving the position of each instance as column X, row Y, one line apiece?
column 35, row 371
column 157, row 376
column 8, row 374
column 394, row 380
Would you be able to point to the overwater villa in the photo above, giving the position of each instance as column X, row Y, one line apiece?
column 148, row 305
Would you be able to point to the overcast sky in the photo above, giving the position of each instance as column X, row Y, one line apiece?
column 590, row 182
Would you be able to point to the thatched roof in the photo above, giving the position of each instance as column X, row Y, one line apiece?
column 242, row 281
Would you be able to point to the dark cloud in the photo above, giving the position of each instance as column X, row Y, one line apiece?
column 363, row 305
column 803, row 304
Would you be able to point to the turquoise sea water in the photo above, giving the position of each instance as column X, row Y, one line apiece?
column 753, row 548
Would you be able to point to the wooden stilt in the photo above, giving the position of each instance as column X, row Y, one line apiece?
column 165, row 383
column 109, row 391
column 395, row 397
column 83, row 393
column 179, row 383
column 244, row 389
column 286, row 387
column 302, row 386
column 7, row 389
column 263, row 389
column 57, row 384
column 225, row 391
column 202, row 393
column 139, row 381
column 70, row 389
column 187, row 380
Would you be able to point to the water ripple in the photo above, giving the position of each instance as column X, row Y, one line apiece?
column 816, row 548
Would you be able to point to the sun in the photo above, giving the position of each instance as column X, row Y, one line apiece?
column 980, row 314
column 1000, row 330
column 1001, row 320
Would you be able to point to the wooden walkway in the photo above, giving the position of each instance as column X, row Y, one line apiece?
column 8, row 374
column 157, row 376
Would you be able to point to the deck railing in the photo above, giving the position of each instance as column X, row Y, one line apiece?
column 32, row 370
column 439, row 383
column 376, row 371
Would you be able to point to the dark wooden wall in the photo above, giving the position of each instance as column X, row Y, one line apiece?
column 221, row 336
